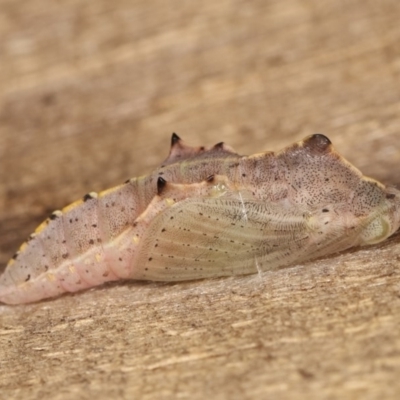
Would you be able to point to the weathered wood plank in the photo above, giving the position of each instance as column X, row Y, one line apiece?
column 89, row 97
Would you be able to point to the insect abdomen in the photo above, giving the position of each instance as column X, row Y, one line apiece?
column 75, row 248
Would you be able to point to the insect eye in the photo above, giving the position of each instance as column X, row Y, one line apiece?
column 376, row 231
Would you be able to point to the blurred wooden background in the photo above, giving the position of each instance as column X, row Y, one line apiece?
column 90, row 93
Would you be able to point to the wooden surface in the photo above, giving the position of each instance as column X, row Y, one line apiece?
column 89, row 95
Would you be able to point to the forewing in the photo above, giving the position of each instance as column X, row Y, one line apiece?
column 208, row 237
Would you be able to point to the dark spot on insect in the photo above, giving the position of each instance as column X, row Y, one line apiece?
column 156, row 245
column 325, row 210
column 146, row 269
column 390, row 196
column 70, row 221
column 244, row 175
column 175, row 139
column 120, row 259
column 318, row 142
column 98, row 240
column 150, row 258
column 94, row 225
column 200, row 213
column 210, row 178
column 171, row 218
column 76, row 219
column 113, row 203
column 91, row 241
column 46, row 267
column 53, row 216
column 127, row 181
column 87, row 271
column 326, row 179
column 87, row 197
column 14, row 257
column 134, row 224
column 232, row 223
column 163, row 230
column 106, row 274
column 65, row 255
column 64, row 241
column 326, row 223
column 161, row 183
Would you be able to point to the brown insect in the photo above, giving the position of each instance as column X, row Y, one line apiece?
column 206, row 212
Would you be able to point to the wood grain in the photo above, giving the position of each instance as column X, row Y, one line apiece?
column 89, row 95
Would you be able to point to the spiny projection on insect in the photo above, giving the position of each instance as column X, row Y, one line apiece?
column 206, row 212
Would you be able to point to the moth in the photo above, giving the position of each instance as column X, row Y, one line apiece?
column 206, row 212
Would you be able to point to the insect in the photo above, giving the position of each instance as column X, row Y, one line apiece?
column 206, row 212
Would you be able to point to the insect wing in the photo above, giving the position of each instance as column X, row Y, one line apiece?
column 209, row 237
